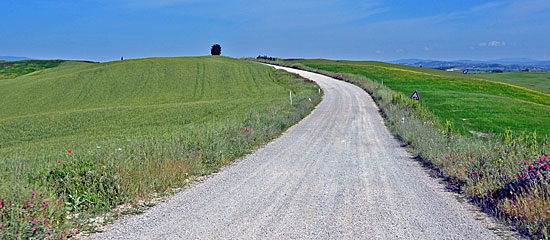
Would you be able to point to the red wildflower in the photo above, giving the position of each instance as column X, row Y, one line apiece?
column 524, row 162
column 69, row 151
column 58, row 162
column 58, row 203
column 517, row 163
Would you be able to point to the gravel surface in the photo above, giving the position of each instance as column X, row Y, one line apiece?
column 338, row 174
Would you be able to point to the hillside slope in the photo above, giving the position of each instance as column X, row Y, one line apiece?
column 137, row 127
column 538, row 81
column 473, row 104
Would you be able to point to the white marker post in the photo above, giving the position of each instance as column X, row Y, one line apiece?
column 290, row 97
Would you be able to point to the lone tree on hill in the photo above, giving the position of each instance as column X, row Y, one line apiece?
column 216, row 49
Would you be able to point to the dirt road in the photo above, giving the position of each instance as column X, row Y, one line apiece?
column 338, row 174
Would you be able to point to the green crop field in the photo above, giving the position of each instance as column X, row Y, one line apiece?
column 137, row 127
column 538, row 81
column 13, row 69
column 472, row 104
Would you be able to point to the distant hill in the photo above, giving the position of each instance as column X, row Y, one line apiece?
column 473, row 66
column 13, row 69
column 12, row 58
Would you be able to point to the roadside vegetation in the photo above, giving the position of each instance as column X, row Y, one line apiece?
column 83, row 138
column 13, row 69
column 506, row 172
column 538, row 81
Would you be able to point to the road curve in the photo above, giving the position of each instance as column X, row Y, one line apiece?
column 338, row 174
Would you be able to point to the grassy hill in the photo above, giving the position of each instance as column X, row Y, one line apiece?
column 137, row 127
column 473, row 104
column 538, row 81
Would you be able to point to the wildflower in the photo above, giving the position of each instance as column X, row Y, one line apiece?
column 58, row 162
column 517, row 163
column 34, row 228
column 43, row 195
column 524, row 162
column 10, row 203
column 1, row 204
column 58, row 203
column 98, row 146
column 15, row 234
column 77, row 231
column 69, row 151
column 546, row 158
column 33, row 193
column 120, row 149
column 539, row 163
column 462, row 175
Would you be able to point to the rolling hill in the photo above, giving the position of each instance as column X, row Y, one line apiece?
column 472, row 103
column 137, row 127
column 538, row 81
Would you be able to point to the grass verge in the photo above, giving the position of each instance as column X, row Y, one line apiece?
column 507, row 176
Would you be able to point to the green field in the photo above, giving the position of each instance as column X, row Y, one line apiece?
column 137, row 127
column 538, row 81
column 472, row 104
column 13, row 69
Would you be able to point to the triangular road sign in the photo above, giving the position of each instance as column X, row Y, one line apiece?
column 415, row 95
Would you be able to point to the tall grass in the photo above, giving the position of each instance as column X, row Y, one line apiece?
column 129, row 152
column 507, row 175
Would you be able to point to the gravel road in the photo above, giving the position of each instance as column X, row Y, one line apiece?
column 338, row 174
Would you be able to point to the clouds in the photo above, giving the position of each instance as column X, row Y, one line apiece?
column 493, row 44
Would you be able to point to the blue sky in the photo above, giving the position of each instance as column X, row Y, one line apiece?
column 104, row 30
